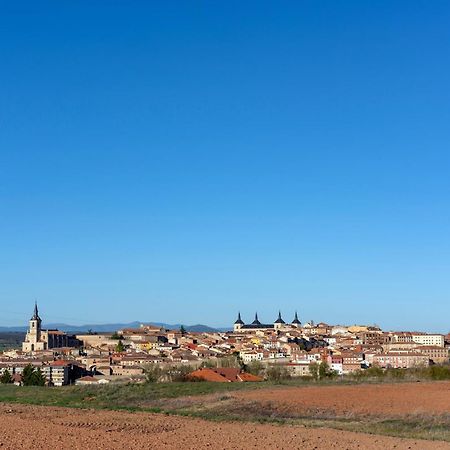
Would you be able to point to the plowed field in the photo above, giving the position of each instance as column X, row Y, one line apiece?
column 378, row 399
column 38, row 427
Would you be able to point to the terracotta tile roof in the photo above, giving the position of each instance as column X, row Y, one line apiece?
column 60, row 362
column 208, row 375
column 223, row 375
column 248, row 377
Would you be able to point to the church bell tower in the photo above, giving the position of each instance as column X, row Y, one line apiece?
column 35, row 325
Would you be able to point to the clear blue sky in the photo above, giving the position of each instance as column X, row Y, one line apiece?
column 181, row 161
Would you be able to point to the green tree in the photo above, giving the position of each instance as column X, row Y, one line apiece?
column 324, row 370
column 321, row 370
column 27, row 375
column 240, row 361
column 6, row 377
column 182, row 330
column 120, row 347
column 302, row 346
column 153, row 373
column 116, row 336
column 314, row 370
column 38, row 378
column 32, row 376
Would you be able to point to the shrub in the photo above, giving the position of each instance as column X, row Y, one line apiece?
column 320, row 371
column 255, row 368
column 277, row 373
column 120, row 347
column 153, row 373
column 208, row 365
column 178, row 373
column 396, row 373
column 439, row 372
column 6, row 377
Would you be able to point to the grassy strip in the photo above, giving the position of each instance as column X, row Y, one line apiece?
column 141, row 395
column 423, row 427
column 114, row 395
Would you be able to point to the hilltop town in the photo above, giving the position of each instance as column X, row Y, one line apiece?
column 295, row 347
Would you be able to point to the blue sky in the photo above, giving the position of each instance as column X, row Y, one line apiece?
column 180, row 161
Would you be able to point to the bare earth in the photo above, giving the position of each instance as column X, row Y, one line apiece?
column 382, row 399
column 37, row 427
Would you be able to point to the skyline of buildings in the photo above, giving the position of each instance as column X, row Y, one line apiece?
column 294, row 346
column 255, row 322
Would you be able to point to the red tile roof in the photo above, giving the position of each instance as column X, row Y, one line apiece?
column 223, row 375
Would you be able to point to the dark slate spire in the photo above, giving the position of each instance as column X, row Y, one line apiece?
column 239, row 321
column 35, row 312
column 279, row 320
column 256, row 321
column 296, row 321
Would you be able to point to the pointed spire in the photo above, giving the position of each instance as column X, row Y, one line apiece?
column 239, row 320
column 35, row 312
column 279, row 320
column 256, row 321
column 296, row 321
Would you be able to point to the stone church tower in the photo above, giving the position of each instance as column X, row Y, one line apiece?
column 34, row 340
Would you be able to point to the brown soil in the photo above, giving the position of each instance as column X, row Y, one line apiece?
column 380, row 399
column 38, row 427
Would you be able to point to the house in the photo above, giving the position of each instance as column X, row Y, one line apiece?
column 351, row 362
column 57, row 373
column 435, row 340
column 439, row 355
column 250, row 356
column 336, row 363
column 297, row 369
column 400, row 360
column 88, row 380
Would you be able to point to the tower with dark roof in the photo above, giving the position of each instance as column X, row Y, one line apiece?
column 35, row 312
column 256, row 321
column 279, row 322
column 34, row 339
column 296, row 322
column 239, row 322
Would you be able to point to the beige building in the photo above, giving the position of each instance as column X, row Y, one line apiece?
column 38, row 339
column 300, row 369
column 435, row 340
column 439, row 355
column 400, row 360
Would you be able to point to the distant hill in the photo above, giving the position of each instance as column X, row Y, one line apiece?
column 9, row 340
column 110, row 327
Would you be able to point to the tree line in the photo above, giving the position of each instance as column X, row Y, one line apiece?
column 31, row 376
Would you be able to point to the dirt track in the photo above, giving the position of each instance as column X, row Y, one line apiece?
column 382, row 399
column 37, row 427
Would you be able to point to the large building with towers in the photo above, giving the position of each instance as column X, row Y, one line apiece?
column 240, row 326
